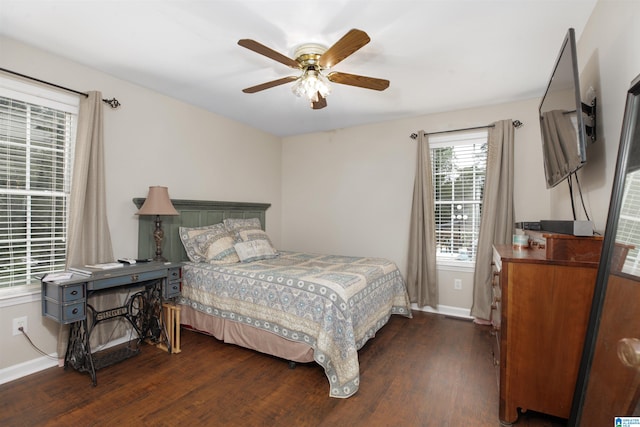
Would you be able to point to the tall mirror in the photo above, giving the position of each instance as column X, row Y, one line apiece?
column 608, row 383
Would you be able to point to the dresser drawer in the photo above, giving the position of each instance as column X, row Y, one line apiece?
column 63, row 313
column 64, row 293
column 496, row 298
column 175, row 274
column 171, row 289
column 126, row 279
column 73, row 292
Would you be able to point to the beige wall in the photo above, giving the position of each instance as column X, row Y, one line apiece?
column 151, row 140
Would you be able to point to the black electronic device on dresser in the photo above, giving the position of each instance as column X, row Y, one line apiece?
column 66, row 299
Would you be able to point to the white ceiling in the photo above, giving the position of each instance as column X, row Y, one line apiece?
column 439, row 55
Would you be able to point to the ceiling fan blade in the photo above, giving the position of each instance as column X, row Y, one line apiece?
column 344, row 47
column 356, row 80
column 267, row 85
column 268, row 52
column 320, row 103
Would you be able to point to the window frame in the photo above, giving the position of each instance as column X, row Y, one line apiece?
column 49, row 98
column 453, row 139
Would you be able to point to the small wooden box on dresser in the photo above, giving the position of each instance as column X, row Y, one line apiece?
column 541, row 301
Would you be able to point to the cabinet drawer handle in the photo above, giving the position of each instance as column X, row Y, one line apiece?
column 75, row 292
column 629, row 352
column 74, row 311
column 134, row 277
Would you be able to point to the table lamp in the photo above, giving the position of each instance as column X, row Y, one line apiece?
column 158, row 203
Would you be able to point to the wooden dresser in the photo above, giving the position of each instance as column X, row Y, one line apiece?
column 542, row 298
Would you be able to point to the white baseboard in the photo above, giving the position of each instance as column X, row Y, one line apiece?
column 446, row 310
column 29, row 367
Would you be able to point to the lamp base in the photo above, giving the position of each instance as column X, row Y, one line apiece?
column 158, row 235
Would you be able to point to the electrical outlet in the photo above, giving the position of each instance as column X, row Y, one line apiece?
column 19, row 322
column 457, row 284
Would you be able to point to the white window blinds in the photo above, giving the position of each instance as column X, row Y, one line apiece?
column 458, row 163
column 36, row 143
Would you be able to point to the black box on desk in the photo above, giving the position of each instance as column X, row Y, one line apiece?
column 573, row 227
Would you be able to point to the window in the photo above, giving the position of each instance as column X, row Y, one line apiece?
column 458, row 165
column 37, row 132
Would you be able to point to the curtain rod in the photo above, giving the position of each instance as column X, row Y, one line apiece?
column 114, row 103
column 516, row 124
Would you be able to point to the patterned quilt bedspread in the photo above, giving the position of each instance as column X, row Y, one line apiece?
column 335, row 304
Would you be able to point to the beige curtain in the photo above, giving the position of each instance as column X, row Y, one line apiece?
column 88, row 237
column 496, row 224
column 422, row 284
column 89, row 240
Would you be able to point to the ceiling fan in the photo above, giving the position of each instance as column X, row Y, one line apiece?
column 313, row 60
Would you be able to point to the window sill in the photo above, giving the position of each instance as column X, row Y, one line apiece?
column 20, row 295
column 452, row 265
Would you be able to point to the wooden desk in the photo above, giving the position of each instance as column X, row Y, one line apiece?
column 67, row 302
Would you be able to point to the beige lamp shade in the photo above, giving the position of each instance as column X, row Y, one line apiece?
column 157, row 203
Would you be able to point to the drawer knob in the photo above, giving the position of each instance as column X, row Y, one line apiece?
column 629, row 352
column 74, row 311
column 74, row 292
column 134, row 277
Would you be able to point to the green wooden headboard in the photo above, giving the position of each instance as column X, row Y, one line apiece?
column 193, row 213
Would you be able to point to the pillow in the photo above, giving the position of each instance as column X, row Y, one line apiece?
column 250, row 230
column 254, row 250
column 252, row 234
column 208, row 243
column 234, row 225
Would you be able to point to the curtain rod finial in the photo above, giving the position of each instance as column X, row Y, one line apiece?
column 517, row 124
column 414, row 135
column 114, row 103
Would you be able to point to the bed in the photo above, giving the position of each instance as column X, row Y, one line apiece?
column 301, row 307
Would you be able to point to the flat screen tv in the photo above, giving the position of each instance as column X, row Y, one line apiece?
column 562, row 124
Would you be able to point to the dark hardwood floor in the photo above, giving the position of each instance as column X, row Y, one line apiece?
column 425, row 371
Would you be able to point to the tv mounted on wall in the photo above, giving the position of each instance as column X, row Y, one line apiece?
column 562, row 121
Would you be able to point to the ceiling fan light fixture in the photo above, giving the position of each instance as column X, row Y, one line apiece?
column 313, row 60
column 311, row 83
